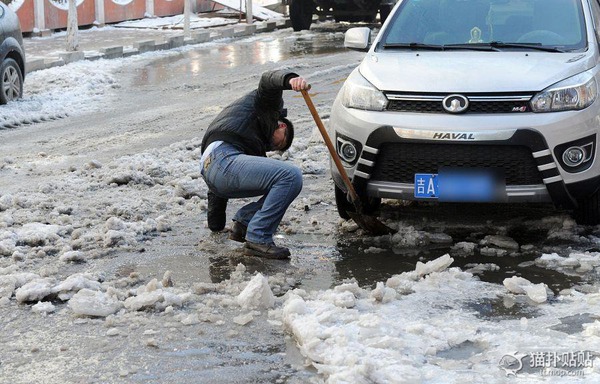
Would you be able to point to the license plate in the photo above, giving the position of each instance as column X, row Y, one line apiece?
column 460, row 186
column 426, row 186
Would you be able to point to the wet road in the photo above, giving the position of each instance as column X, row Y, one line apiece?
column 169, row 98
column 450, row 224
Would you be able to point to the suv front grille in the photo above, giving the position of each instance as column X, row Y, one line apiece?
column 432, row 103
column 398, row 162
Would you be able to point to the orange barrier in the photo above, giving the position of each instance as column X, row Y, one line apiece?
column 114, row 12
column 55, row 16
column 168, row 7
column 55, row 11
column 25, row 14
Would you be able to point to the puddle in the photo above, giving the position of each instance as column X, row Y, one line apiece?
column 574, row 324
column 503, row 308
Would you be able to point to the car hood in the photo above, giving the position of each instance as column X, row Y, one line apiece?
column 460, row 71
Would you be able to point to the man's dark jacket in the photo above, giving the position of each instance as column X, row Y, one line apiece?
column 249, row 122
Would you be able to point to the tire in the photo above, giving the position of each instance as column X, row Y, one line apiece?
column 301, row 12
column 369, row 205
column 384, row 12
column 11, row 81
column 343, row 205
column 588, row 211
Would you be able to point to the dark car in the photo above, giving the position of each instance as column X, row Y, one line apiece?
column 301, row 11
column 12, row 56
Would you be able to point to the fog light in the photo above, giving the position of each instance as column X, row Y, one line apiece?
column 348, row 151
column 574, row 156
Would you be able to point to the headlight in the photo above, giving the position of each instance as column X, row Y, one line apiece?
column 578, row 92
column 360, row 94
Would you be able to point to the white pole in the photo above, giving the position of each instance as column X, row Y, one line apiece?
column 186, row 18
column 249, row 16
column 100, row 16
column 72, row 27
column 149, row 8
column 38, row 15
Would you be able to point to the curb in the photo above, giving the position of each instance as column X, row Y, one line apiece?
column 197, row 37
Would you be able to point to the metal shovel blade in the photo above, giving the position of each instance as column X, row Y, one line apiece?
column 366, row 222
column 370, row 224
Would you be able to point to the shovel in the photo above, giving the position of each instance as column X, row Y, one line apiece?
column 366, row 222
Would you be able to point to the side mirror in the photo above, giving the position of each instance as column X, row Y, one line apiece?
column 358, row 39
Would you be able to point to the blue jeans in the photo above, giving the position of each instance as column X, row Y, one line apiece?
column 232, row 174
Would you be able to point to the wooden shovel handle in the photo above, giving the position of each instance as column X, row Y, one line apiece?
column 330, row 146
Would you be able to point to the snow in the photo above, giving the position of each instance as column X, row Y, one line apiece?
column 87, row 302
column 424, row 325
column 365, row 339
column 174, row 22
column 257, row 294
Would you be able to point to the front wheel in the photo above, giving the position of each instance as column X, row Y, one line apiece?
column 301, row 12
column 369, row 205
column 11, row 81
column 588, row 211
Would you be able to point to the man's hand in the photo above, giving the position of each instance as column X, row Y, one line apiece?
column 299, row 83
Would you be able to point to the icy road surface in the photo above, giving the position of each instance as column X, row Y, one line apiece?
column 109, row 275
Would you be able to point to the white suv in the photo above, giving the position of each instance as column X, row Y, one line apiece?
column 475, row 101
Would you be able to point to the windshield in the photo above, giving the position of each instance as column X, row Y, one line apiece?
column 514, row 23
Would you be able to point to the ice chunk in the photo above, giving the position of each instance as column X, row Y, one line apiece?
column 43, row 307
column 383, row 294
column 243, row 319
column 499, row 241
column 35, row 290
column 536, row 292
column 74, row 283
column 515, row 284
column 72, row 256
column 35, row 234
column 7, row 286
column 257, row 294
column 437, row 265
column 146, row 299
column 94, row 303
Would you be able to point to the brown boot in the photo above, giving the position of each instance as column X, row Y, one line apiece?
column 267, row 251
column 238, row 232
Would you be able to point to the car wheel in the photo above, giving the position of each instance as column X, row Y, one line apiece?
column 11, row 81
column 301, row 12
column 342, row 203
column 588, row 211
column 369, row 205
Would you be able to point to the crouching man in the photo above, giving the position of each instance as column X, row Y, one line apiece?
column 234, row 164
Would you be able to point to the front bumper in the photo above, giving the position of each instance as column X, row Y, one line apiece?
column 545, row 181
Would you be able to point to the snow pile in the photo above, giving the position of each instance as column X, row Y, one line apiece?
column 58, row 92
column 59, row 219
column 416, row 328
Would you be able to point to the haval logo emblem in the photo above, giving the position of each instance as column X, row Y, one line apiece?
column 455, row 103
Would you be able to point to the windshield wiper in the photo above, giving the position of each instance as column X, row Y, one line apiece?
column 434, row 47
column 414, row 46
column 491, row 46
column 535, row 46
